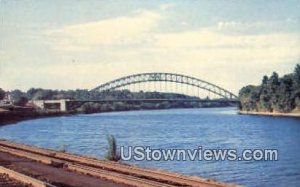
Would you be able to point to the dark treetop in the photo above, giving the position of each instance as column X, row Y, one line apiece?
column 275, row 94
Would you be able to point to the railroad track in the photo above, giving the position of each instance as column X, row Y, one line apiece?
column 5, row 181
column 117, row 172
column 10, row 178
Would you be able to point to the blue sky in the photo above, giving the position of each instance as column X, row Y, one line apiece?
column 72, row 44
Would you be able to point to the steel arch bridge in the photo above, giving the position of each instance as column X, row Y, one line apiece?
column 165, row 77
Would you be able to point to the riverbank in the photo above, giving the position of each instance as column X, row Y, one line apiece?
column 16, row 114
column 10, row 117
column 65, row 169
column 270, row 114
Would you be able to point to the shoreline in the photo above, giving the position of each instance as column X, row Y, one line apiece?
column 13, row 117
column 275, row 114
column 67, row 169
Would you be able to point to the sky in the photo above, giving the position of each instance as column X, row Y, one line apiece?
column 69, row 44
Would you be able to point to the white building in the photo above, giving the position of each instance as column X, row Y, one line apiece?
column 42, row 104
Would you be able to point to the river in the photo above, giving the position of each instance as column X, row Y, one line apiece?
column 211, row 128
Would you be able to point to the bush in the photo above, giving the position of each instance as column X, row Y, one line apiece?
column 112, row 153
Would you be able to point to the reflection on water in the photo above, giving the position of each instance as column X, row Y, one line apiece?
column 178, row 128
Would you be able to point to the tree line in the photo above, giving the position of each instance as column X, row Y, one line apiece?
column 21, row 98
column 274, row 94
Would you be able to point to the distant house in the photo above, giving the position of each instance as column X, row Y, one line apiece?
column 7, row 101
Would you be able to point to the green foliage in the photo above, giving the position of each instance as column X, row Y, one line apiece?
column 21, row 101
column 275, row 94
column 2, row 94
column 112, row 153
column 297, row 74
column 83, row 94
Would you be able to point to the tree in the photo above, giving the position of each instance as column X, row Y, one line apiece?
column 21, row 101
column 297, row 74
column 265, row 80
column 276, row 93
column 16, row 94
column 2, row 94
column 31, row 92
column 274, row 79
column 285, row 101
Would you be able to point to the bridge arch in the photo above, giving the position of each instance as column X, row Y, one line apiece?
column 165, row 77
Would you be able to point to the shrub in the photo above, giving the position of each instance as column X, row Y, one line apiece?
column 112, row 153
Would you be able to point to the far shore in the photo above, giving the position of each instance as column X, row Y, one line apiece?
column 11, row 117
column 270, row 114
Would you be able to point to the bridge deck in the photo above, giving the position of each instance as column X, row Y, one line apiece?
column 157, row 100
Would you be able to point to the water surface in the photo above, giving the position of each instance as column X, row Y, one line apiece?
column 178, row 128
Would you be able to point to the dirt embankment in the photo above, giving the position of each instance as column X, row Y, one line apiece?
column 66, row 169
column 292, row 114
column 8, row 117
column 60, row 177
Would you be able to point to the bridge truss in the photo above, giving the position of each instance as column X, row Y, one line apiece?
column 165, row 77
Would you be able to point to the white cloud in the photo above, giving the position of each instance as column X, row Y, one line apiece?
column 258, row 27
column 209, row 45
column 165, row 7
column 114, row 31
column 110, row 48
column 131, row 37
